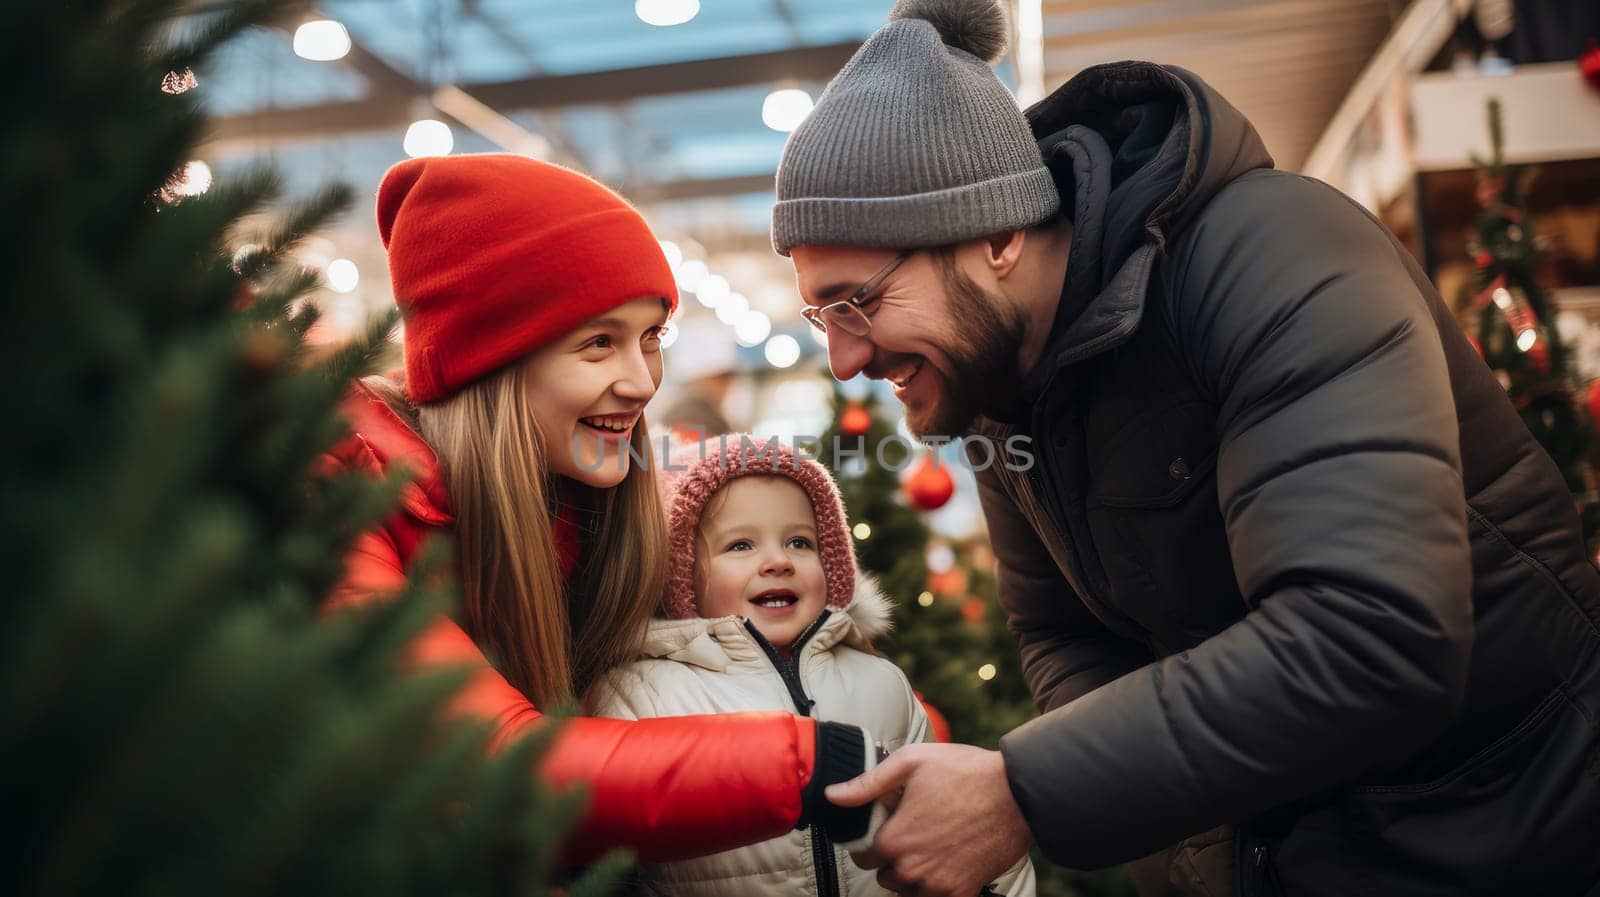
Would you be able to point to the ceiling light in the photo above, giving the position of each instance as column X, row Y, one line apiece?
column 321, row 40
column 428, row 137
column 784, row 110
column 663, row 13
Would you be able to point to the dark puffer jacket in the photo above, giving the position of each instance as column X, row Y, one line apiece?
column 1291, row 579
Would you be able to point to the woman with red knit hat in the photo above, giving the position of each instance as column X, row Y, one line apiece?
column 534, row 300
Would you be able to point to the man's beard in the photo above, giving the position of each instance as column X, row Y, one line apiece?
column 985, row 375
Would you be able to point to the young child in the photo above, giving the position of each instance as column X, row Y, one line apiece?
column 766, row 610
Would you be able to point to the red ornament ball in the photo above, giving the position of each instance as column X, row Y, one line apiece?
column 1589, row 65
column 938, row 726
column 855, row 421
column 1483, row 260
column 930, row 485
column 974, row 609
column 950, row 582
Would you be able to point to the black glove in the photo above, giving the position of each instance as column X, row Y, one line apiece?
column 843, row 752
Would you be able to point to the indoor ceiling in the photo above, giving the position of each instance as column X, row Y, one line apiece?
column 672, row 116
column 1286, row 64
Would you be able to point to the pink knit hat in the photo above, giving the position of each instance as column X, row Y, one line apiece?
column 693, row 471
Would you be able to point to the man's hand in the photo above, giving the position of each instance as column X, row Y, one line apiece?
column 956, row 827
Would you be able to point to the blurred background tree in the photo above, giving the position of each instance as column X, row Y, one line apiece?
column 1516, row 332
column 178, row 716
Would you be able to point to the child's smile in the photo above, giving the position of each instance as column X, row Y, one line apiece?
column 758, row 557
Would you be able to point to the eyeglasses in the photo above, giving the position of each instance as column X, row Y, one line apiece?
column 846, row 314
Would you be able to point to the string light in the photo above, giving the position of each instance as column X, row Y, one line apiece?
column 782, row 351
column 732, row 309
column 712, row 290
column 752, row 329
column 692, row 274
column 1526, row 339
column 862, row 531
column 925, row 599
column 986, row 672
column 673, row 253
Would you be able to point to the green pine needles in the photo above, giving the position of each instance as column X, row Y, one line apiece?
column 178, row 716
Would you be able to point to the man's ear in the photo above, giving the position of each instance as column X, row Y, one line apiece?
column 1002, row 251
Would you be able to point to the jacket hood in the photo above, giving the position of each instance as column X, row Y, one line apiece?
column 694, row 470
column 719, row 642
column 1136, row 150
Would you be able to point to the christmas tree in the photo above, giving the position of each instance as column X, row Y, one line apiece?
column 179, row 717
column 950, row 634
column 1515, row 329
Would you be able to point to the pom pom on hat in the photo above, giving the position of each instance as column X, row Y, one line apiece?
column 979, row 27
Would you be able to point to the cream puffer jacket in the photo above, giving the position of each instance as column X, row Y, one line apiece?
column 721, row 666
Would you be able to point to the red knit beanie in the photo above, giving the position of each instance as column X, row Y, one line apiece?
column 492, row 256
column 693, row 471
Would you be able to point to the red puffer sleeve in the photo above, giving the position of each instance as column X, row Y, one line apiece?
column 668, row 789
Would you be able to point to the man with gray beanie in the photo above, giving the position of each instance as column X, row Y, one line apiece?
column 1304, row 606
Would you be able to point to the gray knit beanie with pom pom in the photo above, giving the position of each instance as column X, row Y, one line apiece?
column 915, row 142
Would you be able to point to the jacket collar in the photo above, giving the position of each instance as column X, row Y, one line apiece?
column 389, row 442
column 721, row 642
column 1137, row 149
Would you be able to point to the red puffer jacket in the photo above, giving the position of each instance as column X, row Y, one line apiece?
column 666, row 788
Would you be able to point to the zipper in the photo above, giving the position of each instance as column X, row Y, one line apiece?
column 1247, row 867
column 822, row 858
column 1258, row 877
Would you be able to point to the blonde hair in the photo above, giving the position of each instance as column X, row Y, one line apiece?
column 548, row 637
